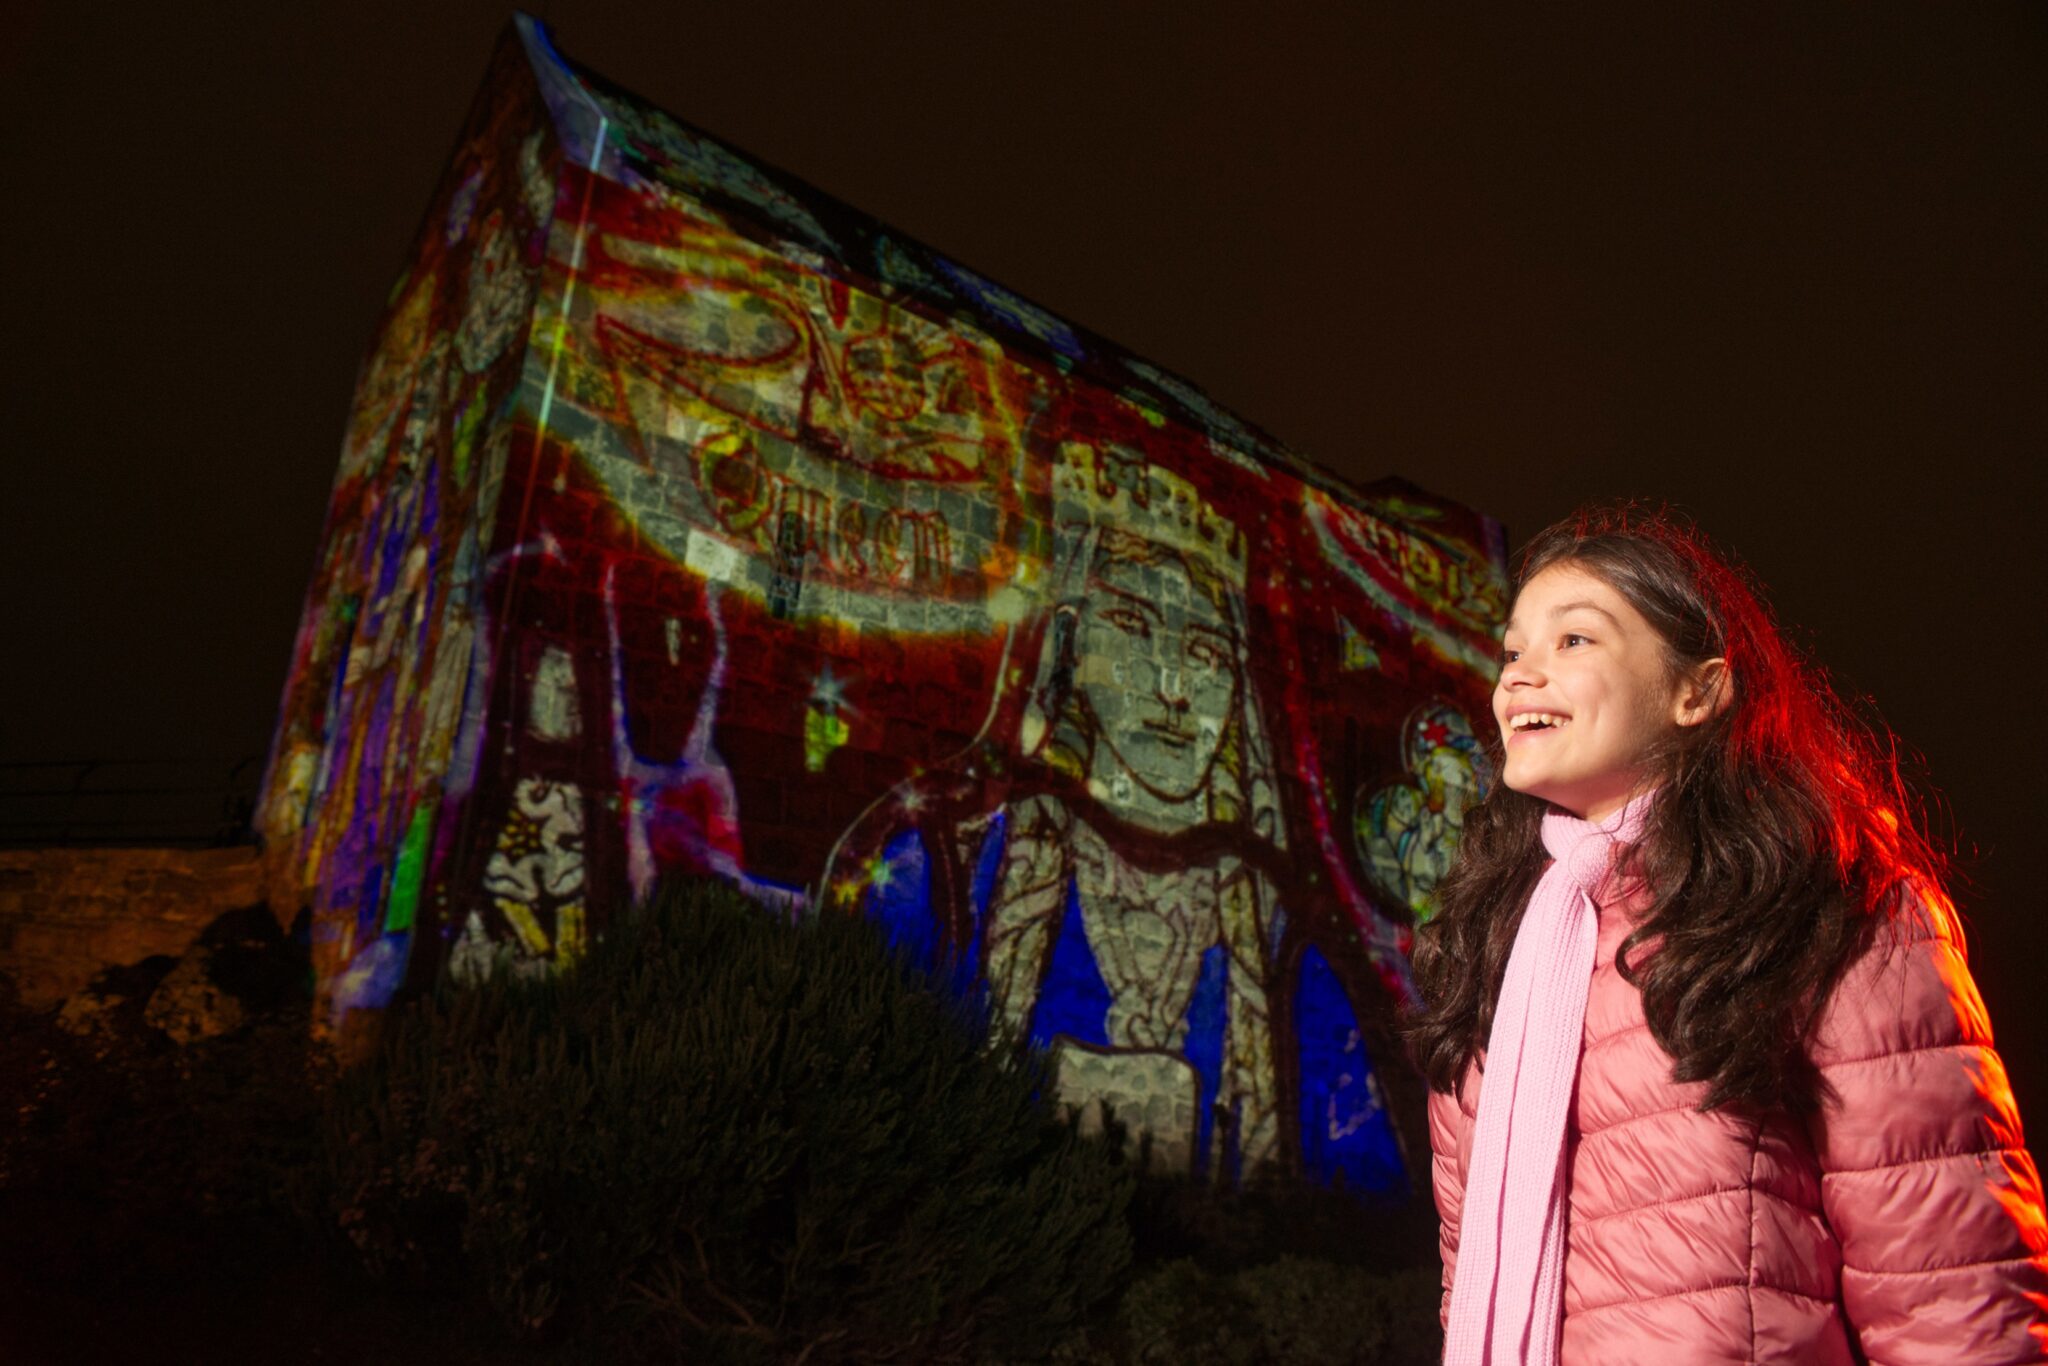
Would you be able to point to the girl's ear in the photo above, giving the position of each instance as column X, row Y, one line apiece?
column 1705, row 693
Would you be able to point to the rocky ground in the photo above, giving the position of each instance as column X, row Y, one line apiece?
column 156, row 1131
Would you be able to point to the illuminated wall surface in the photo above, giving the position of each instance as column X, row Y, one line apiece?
column 690, row 520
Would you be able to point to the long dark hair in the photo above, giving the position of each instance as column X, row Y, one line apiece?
column 1781, row 839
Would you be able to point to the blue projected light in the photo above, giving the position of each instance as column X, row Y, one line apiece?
column 1208, row 1015
column 1345, row 1128
column 1346, row 1132
column 901, row 900
column 987, row 867
column 1073, row 1000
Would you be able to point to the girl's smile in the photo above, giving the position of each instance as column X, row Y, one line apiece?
column 1527, row 723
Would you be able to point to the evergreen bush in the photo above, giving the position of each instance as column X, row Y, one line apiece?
column 1290, row 1310
column 1226, row 1228
column 758, row 1141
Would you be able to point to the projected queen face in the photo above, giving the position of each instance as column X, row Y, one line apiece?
column 1156, row 665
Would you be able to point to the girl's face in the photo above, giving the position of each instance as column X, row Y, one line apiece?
column 1586, row 694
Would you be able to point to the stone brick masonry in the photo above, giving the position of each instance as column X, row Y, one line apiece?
column 66, row 914
column 690, row 524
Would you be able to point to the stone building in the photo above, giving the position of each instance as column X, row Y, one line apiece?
column 689, row 520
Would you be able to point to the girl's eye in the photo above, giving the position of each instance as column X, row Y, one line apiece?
column 1574, row 639
column 1510, row 656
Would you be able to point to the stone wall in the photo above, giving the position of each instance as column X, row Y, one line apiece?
column 689, row 524
column 66, row 914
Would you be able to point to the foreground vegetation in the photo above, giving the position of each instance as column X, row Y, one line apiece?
column 719, row 1138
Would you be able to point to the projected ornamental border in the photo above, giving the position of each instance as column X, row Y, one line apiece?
column 689, row 521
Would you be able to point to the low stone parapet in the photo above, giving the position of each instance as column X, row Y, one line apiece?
column 67, row 914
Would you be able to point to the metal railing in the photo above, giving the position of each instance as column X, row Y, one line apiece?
column 74, row 803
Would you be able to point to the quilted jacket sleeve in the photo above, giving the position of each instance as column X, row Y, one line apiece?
column 1924, row 1174
column 1447, row 1175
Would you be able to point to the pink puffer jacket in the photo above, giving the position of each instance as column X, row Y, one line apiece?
column 1905, row 1225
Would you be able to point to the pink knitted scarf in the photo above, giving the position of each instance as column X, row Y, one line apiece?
column 1507, row 1302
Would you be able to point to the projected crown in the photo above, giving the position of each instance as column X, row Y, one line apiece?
column 1101, row 486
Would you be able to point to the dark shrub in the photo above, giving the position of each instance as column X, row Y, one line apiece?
column 1226, row 1229
column 1278, row 1271
column 762, row 1142
column 1293, row 1310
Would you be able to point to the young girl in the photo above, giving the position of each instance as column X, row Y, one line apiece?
column 1710, row 1082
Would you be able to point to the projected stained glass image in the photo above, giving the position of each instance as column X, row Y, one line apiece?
column 691, row 522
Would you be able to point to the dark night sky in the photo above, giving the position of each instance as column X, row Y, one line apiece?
column 1781, row 265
